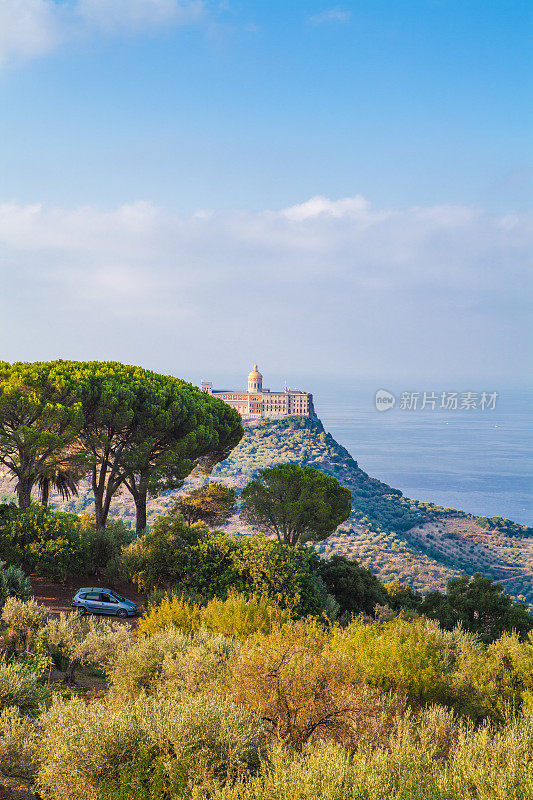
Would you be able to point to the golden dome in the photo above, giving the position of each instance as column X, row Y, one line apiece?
column 255, row 373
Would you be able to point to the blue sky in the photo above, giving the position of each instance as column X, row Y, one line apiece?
column 159, row 159
column 269, row 103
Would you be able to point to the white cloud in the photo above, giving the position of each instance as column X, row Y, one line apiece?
column 32, row 28
column 336, row 14
column 119, row 15
column 325, row 281
column 322, row 206
column 28, row 28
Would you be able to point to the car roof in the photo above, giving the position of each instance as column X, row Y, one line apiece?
column 95, row 589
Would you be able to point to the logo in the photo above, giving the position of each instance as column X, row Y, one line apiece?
column 384, row 400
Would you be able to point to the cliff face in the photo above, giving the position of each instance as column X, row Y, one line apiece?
column 399, row 539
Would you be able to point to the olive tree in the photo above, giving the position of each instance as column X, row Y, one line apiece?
column 85, row 641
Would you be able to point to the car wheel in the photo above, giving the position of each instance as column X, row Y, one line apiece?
column 81, row 610
column 122, row 614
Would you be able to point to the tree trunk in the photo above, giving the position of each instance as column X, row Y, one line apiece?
column 105, row 482
column 45, row 493
column 136, row 485
column 140, row 507
column 98, row 498
column 70, row 672
column 23, row 489
column 99, row 511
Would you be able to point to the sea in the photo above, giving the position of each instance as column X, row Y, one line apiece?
column 476, row 457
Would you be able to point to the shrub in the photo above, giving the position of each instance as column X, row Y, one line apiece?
column 19, row 687
column 14, row 583
column 101, row 546
column 217, row 737
column 173, row 611
column 413, row 657
column 354, row 587
column 170, row 661
column 492, row 679
column 188, row 560
column 238, row 615
column 165, row 556
column 24, row 618
column 241, row 616
column 19, row 737
column 402, row 597
column 87, row 746
column 87, row 641
column 432, row 758
column 42, row 539
column 84, row 744
column 494, row 762
column 302, row 689
column 56, row 558
column 148, row 776
column 288, row 575
column 480, row 606
column 56, row 544
column 321, row 772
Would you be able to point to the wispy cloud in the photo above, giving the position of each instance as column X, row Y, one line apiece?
column 32, row 28
column 116, row 15
column 336, row 14
column 428, row 288
column 28, row 28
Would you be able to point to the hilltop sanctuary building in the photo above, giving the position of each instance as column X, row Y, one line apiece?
column 259, row 402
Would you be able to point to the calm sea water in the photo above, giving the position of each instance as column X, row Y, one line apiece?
column 478, row 461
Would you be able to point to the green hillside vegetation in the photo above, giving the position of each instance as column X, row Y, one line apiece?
column 399, row 539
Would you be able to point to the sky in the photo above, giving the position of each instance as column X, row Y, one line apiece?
column 332, row 191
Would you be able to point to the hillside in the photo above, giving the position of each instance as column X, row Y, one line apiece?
column 419, row 544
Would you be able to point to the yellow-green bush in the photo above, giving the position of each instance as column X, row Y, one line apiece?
column 219, row 739
column 414, row 657
column 411, row 657
column 241, row 616
column 238, row 615
column 172, row 612
column 492, row 679
column 85, row 746
column 483, row 764
column 171, row 661
column 23, row 619
column 493, row 763
column 19, row 736
column 425, row 664
column 19, row 687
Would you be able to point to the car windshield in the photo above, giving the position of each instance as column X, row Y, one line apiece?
column 119, row 598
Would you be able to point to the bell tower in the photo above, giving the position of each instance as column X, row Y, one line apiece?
column 255, row 381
